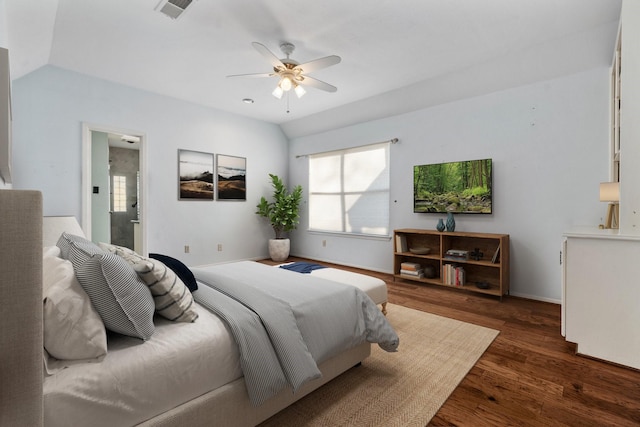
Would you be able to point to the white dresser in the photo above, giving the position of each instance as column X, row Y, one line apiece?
column 601, row 294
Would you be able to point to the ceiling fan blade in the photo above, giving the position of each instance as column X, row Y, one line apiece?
column 264, row 51
column 318, row 64
column 318, row 84
column 253, row 75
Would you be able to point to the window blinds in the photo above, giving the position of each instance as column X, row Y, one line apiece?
column 349, row 190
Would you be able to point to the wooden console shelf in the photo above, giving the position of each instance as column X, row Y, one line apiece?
column 490, row 268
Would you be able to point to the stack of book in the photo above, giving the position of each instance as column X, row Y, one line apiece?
column 457, row 254
column 453, row 275
column 411, row 269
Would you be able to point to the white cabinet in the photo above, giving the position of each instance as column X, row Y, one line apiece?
column 601, row 295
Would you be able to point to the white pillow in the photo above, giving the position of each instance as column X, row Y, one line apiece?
column 172, row 298
column 73, row 330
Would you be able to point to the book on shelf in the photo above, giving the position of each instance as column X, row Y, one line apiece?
column 410, row 266
column 453, row 275
column 412, row 272
column 401, row 243
column 495, row 255
column 458, row 252
column 455, row 254
column 419, row 274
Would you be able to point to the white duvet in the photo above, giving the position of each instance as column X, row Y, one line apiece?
column 180, row 362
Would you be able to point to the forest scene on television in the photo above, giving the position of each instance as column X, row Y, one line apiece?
column 457, row 187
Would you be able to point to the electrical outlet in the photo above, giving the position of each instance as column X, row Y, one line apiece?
column 324, row 243
column 186, row 249
column 219, row 247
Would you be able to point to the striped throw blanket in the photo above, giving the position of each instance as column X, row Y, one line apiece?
column 286, row 323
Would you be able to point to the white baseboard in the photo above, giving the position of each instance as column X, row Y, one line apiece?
column 536, row 298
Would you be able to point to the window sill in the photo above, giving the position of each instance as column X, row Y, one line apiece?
column 349, row 235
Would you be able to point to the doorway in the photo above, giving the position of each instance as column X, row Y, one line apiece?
column 114, row 186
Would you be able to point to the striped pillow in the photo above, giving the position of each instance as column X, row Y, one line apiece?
column 66, row 240
column 119, row 296
column 79, row 252
column 129, row 255
column 172, row 298
column 178, row 267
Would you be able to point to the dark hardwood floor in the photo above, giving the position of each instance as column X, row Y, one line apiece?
column 529, row 376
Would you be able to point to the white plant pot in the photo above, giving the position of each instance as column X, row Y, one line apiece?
column 279, row 249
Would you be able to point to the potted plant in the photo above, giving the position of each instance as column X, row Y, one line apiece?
column 283, row 213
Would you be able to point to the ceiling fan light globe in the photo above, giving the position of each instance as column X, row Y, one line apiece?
column 286, row 84
column 299, row 91
column 277, row 92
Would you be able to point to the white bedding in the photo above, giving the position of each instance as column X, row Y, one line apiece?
column 180, row 362
column 138, row 380
column 372, row 286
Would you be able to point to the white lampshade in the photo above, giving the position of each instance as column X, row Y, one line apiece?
column 300, row 91
column 277, row 92
column 609, row 191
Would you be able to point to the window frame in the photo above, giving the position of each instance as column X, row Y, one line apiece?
column 344, row 194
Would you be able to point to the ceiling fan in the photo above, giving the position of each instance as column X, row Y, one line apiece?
column 291, row 74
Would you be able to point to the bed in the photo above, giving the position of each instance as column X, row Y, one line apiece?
column 189, row 372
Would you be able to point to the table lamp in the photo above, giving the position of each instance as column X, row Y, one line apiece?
column 610, row 192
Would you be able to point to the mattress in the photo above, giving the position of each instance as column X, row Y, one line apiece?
column 372, row 286
column 138, row 380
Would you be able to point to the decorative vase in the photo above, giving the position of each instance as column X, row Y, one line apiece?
column 440, row 226
column 279, row 249
column 451, row 223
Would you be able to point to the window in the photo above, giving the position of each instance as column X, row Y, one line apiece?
column 349, row 191
column 119, row 193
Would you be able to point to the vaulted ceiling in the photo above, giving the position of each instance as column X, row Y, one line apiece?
column 397, row 56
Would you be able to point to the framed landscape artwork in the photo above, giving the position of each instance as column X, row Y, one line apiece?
column 195, row 171
column 231, row 178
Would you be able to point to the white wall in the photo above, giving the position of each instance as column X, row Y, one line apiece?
column 4, row 38
column 50, row 106
column 629, row 119
column 549, row 145
column 548, row 142
column 100, row 202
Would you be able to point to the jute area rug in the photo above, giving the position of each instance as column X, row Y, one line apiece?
column 406, row 388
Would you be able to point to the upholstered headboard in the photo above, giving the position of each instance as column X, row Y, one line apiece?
column 21, row 313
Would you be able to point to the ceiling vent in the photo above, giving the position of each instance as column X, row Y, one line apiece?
column 173, row 8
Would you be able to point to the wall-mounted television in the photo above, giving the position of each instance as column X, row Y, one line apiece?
column 457, row 187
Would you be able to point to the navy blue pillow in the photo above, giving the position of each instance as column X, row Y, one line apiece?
column 181, row 270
